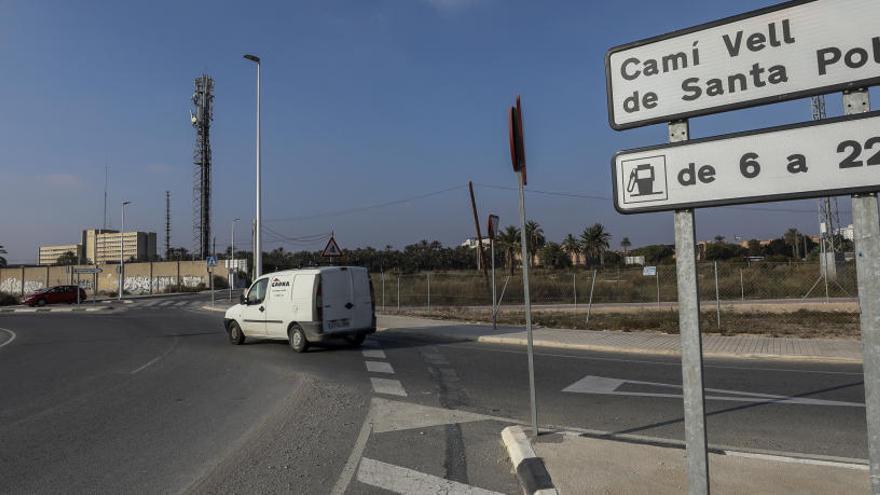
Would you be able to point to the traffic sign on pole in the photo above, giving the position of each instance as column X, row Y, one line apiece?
column 331, row 250
column 792, row 50
column 815, row 159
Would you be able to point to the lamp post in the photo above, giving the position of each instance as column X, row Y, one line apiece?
column 232, row 261
column 258, row 254
column 122, row 250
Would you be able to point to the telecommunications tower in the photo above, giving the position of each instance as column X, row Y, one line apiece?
column 201, row 117
column 829, row 213
column 167, row 225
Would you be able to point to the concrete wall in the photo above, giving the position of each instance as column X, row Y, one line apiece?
column 140, row 278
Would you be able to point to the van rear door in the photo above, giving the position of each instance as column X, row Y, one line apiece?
column 336, row 292
column 362, row 313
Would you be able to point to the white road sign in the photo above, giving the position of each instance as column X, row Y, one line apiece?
column 792, row 50
column 834, row 157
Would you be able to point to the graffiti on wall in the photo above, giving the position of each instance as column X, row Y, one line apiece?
column 11, row 285
column 32, row 285
column 140, row 284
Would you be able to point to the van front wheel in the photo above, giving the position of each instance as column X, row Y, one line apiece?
column 236, row 336
column 297, row 338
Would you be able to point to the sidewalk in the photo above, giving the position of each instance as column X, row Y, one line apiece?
column 581, row 464
column 739, row 346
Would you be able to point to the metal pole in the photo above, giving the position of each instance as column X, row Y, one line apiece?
column 122, row 252
column 657, row 279
column 527, row 300
column 574, row 289
column 429, row 291
column 742, row 287
column 866, row 226
column 691, row 341
column 258, row 241
column 398, row 292
column 494, row 300
column 825, row 272
column 717, row 299
column 231, row 269
column 383, row 290
column 590, row 303
column 211, row 277
column 77, row 288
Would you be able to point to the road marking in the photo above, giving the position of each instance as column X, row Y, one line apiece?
column 394, row 415
column 798, row 460
column 608, row 386
column 379, row 367
column 406, row 481
column 388, row 387
column 359, row 445
column 374, row 353
column 11, row 336
column 157, row 358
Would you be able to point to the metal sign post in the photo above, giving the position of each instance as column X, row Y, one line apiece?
column 866, row 227
column 691, row 340
column 492, row 231
column 518, row 158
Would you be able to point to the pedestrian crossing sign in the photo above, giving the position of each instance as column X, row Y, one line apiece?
column 332, row 249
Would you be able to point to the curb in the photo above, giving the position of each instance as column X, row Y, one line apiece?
column 56, row 310
column 550, row 344
column 213, row 308
column 530, row 469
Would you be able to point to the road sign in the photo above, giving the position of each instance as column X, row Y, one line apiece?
column 87, row 270
column 211, row 261
column 331, row 250
column 492, row 230
column 649, row 271
column 517, row 142
column 792, row 50
column 826, row 158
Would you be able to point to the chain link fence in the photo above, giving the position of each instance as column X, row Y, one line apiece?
column 757, row 297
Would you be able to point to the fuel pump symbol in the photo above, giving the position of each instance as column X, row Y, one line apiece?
column 642, row 178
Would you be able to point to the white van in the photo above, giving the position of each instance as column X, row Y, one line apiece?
column 305, row 307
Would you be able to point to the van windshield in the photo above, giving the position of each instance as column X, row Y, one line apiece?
column 257, row 292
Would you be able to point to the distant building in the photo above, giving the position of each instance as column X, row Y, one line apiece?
column 90, row 241
column 472, row 243
column 49, row 254
column 847, row 232
column 135, row 245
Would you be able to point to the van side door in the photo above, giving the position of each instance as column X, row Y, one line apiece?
column 278, row 305
column 253, row 313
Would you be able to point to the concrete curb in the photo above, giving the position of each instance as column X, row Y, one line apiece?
column 552, row 344
column 530, row 470
column 213, row 308
column 659, row 352
column 55, row 310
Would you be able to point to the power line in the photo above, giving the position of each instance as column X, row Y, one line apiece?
column 608, row 198
column 366, row 208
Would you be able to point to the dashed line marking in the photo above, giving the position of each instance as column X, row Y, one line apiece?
column 402, row 480
column 379, row 367
column 374, row 353
column 388, row 386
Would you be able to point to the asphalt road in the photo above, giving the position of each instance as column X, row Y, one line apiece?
column 151, row 398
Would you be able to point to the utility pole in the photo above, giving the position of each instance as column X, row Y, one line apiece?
column 167, row 224
column 481, row 257
column 122, row 251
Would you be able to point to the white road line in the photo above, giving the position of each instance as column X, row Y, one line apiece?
column 11, row 337
column 798, row 460
column 379, row 367
column 165, row 303
column 374, row 353
column 151, row 361
column 406, row 481
column 388, row 387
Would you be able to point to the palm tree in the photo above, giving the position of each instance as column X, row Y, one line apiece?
column 572, row 247
column 2, row 259
column 625, row 244
column 535, row 239
column 594, row 242
column 67, row 258
column 508, row 240
column 719, row 239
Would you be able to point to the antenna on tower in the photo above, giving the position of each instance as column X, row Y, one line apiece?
column 829, row 213
column 201, row 117
column 167, row 225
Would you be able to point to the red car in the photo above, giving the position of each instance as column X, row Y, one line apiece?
column 55, row 295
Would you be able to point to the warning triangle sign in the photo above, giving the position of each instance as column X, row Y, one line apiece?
column 332, row 249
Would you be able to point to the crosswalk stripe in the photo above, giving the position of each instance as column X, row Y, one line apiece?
column 379, row 367
column 388, row 387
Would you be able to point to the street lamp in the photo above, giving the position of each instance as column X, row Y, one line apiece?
column 232, row 261
column 122, row 250
column 258, row 253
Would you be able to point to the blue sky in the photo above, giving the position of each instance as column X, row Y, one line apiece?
column 364, row 102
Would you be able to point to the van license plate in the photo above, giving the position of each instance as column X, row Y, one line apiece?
column 334, row 324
